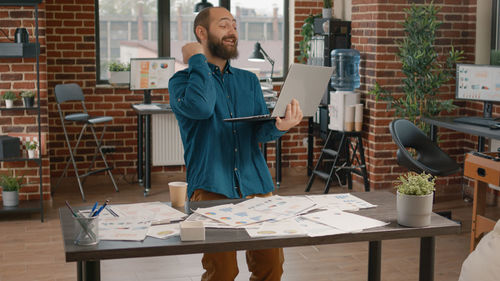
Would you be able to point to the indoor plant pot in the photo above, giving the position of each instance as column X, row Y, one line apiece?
column 28, row 98
column 327, row 9
column 414, row 199
column 32, row 147
column 119, row 73
column 10, row 189
column 9, row 98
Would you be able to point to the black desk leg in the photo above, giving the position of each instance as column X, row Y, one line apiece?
column 374, row 260
column 427, row 246
column 278, row 162
column 140, row 147
column 88, row 270
column 147, row 182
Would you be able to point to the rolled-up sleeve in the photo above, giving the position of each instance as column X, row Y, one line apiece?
column 191, row 92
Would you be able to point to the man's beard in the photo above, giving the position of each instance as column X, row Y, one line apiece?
column 217, row 48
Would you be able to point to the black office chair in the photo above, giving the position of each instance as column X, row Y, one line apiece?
column 430, row 158
column 73, row 92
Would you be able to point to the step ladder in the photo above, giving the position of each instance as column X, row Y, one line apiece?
column 344, row 156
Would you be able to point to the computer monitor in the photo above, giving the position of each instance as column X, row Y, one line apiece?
column 150, row 74
column 478, row 83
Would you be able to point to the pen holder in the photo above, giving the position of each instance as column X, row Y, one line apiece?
column 86, row 230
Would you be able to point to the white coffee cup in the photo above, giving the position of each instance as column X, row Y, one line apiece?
column 178, row 190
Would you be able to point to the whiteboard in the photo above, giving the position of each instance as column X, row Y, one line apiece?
column 478, row 82
column 151, row 73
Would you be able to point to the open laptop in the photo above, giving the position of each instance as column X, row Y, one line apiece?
column 306, row 83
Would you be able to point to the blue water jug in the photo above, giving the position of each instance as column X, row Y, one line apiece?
column 345, row 63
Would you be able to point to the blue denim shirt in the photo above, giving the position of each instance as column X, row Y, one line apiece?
column 218, row 153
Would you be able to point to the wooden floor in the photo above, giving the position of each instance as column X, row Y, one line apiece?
column 31, row 250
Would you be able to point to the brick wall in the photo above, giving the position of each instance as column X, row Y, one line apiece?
column 17, row 75
column 375, row 30
column 69, row 57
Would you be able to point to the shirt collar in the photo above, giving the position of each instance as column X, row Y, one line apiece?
column 228, row 68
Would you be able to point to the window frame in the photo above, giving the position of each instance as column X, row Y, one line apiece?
column 164, row 35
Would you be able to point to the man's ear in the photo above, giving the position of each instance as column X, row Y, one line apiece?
column 201, row 32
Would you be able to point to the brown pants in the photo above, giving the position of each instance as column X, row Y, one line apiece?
column 265, row 265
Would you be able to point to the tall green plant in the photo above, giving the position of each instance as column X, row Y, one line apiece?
column 424, row 73
column 327, row 4
column 307, row 33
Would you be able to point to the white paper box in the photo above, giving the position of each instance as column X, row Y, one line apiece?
column 339, row 101
column 192, row 231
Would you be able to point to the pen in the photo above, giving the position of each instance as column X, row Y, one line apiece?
column 93, row 208
column 100, row 209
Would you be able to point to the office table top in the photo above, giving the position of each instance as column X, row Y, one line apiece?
column 237, row 239
column 448, row 123
column 147, row 109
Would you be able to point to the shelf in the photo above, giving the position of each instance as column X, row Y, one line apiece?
column 19, row 108
column 31, row 206
column 18, row 50
column 14, row 159
column 20, row 2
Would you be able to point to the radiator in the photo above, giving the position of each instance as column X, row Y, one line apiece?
column 167, row 146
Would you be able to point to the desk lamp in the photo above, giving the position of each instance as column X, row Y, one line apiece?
column 259, row 55
column 202, row 5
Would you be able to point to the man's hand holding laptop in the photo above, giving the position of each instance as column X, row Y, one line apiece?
column 293, row 116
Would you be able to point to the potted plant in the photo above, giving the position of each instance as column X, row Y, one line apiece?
column 119, row 73
column 307, row 33
column 414, row 199
column 424, row 72
column 9, row 98
column 10, row 189
column 31, row 146
column 327, row 9
column 28, row 98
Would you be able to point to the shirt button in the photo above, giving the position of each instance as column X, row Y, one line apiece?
column 231, row 114
column 236, row 169
column 227, row 96
column 234, row 131
column 235, row 150
column 178, row 99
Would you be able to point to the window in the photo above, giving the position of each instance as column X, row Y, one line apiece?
column 133, row 28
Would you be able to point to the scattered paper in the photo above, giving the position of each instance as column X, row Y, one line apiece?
column 164, row 231
column 315, row 229
column 282, row 228
column 156, row 211
column 343, row 220
column 234, row 215
column 342, row 201
column 129, row 229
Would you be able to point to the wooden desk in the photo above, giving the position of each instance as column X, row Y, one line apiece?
column 483, row 171
column 217, row 240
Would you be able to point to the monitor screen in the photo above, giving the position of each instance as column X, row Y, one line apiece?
column 150, row 73
column 478, row 82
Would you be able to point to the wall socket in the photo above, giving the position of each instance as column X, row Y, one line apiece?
column 108, row 149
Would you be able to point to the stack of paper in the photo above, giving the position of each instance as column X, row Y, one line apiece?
column 156, row 211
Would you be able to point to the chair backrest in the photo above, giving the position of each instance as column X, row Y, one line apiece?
column 68, row 92
column 430, row 158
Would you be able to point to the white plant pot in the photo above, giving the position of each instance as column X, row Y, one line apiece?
column 10, row 198
column 414, row 210
column 9, row 103
column 121, row 77
column 327, row 13
column 31, row 153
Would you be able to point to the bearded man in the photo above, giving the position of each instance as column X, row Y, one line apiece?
column 223, row 160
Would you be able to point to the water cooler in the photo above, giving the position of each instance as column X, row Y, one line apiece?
column 345, row 79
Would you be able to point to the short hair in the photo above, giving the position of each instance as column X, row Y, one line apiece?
column 203, row 19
